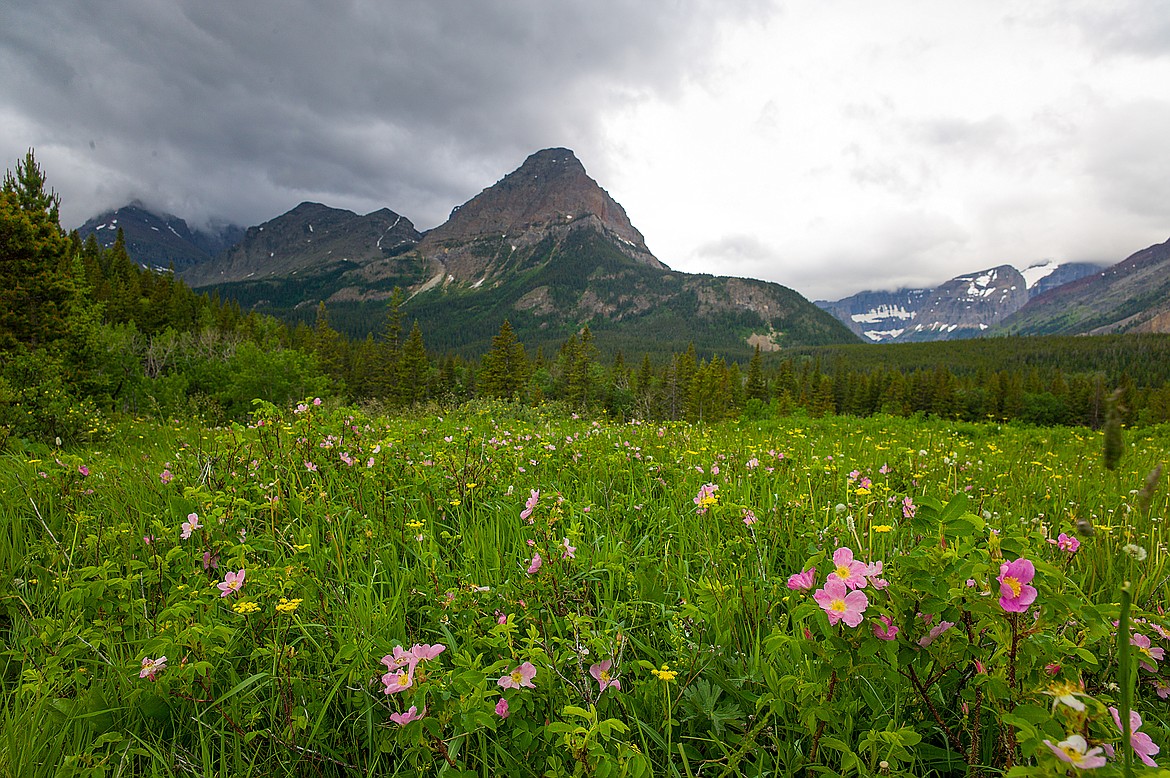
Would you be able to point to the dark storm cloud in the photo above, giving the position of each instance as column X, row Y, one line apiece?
column 241, row 109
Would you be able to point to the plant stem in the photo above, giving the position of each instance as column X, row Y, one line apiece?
column 1124, row 660
column 812, row 754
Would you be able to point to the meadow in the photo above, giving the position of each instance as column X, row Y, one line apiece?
column 497, row 589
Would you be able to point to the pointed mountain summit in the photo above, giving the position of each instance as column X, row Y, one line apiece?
column 549, row 194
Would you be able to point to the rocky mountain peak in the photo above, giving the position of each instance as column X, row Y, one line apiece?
column 550, row 191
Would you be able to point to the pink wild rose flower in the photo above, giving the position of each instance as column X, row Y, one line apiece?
column 152, row 667
column 1142, row 745
column 424, row 652
column 600, row 673
column 190, row 525
column 884, row 629
column 873, row 572
column 502, row 708
column 706, row 498
column 397, row 681
column 535, row 564
column 521, row 676
column 1076, row 752
column 530, row 505
column 1015, row 594
column 803, row 580
column 1148, row 655
column 231, row 583
column 400, row 658
column 935, row 631
column 848, row 570
column 840, row 604
column 407, row 716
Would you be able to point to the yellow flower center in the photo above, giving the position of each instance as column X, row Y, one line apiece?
column 1014, row 585
column 403, row 680
column 838, row 606
column 843, row 572
column 517, row 676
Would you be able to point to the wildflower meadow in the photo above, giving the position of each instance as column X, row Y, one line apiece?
column 505, row 590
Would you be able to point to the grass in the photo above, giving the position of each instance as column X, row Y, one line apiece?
column 418, row 539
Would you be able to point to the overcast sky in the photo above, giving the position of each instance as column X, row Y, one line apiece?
column 828, row 145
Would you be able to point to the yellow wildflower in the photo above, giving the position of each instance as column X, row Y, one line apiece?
column 288, row 606
column 666, row 675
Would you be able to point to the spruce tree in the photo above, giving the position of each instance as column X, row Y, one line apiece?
column 505, row 367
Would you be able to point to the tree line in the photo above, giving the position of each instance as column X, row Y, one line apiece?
column 86, row 335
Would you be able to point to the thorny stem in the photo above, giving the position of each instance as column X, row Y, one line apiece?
column 973, row 755
column 812, row 754
column 924, row 693
column 1009, row 734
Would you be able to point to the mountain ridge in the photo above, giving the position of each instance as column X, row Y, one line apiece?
column 545, row 247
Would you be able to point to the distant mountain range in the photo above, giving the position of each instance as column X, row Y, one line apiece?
column 545, row 247
column 967, row 306
column 549, row 249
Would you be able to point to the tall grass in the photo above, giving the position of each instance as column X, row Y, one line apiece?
column 408, row 530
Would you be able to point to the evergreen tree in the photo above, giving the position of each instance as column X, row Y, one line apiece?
column 505, row 367
column 28, row 185
column 415, row 368
column 330, row 346
column 34, row 258
column 757, row 387
column 581, row 384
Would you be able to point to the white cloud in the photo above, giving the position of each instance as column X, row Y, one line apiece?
column 830, row 146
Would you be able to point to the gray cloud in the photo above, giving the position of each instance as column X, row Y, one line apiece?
column 1129, row 160
column 242, row 109
column 904, row 251
column 1139, row 28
